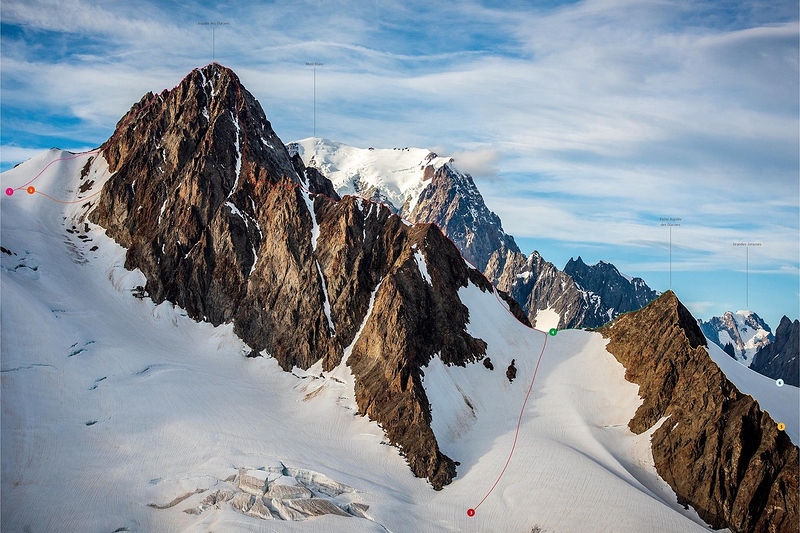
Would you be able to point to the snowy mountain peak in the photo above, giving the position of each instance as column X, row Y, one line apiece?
column 743, row 330
column 394, row 176
column 214, row 221
column 415, row 183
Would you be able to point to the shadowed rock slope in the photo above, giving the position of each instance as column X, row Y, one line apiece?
column 717, row 449
column 781, row 358
column 224, row 223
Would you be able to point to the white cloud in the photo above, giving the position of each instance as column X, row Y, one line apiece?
column 592, row 118
column 11, row 155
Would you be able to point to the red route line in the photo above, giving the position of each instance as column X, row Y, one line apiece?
column 75, row 156
column 516, row 434
column 79, row 200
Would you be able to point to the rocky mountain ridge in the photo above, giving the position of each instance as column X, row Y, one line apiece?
column 225, row 223
column 222, row 222
column 618, row 293
column 416, row 184
column 580, row 296
column 715, row 447
column 424, row 187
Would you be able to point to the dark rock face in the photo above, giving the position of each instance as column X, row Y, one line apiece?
column 728, row 349
column 780, row 358
column 617, row 293
column 220, row 220
column 452, row 201
column 583, row 295
column 511, row 371
column 719, row 452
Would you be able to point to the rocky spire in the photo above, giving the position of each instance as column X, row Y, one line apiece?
column 781, row 358
column 224, row 223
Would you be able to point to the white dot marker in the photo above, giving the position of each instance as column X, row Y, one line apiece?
column 779, row 382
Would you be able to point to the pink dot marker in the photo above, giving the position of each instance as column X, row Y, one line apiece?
column 9, row 191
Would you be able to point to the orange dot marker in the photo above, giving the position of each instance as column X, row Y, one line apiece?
column 781, row 426
column 31, row 189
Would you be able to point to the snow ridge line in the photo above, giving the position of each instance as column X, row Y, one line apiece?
column 471, row 512
column 79, row 154
column 102, row 147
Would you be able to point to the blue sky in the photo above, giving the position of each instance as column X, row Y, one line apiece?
column 582, row 122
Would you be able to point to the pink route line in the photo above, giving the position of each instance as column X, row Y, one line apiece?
column 80, row 154
column 471, row 512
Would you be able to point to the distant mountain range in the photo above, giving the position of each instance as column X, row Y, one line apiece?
column 749, row 340
column 423, row 186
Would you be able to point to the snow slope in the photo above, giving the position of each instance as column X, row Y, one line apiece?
column 782, row 403
column 397, row 172
column 120, row 415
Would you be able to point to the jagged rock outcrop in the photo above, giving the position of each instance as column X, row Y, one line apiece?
column 452, row 201
column 538, row 285
column 716, row 448
column 223, row 222
column 780, row 358
column 582, row 295
column 745, row 331
column 618, row 293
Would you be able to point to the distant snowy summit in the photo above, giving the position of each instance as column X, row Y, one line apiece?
column 740, row 334
column 393, row 176
column 416, row 184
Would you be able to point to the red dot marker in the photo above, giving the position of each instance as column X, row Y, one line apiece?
column 470, row 512
column 9, row 191
column 31, row 189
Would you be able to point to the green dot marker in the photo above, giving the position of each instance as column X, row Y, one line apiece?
column 553, row 331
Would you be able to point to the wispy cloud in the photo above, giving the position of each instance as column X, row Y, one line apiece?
column 591, row 118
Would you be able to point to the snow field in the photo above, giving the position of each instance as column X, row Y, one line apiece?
column 574, row 445
column 398, row 172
